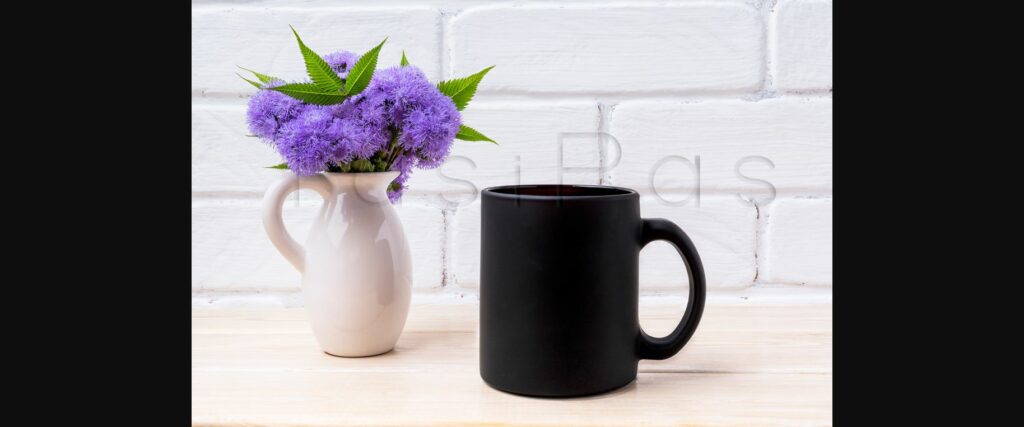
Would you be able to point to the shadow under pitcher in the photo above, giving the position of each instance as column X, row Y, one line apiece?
column 559, row 289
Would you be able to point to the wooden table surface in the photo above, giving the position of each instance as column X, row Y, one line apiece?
column 751, row 364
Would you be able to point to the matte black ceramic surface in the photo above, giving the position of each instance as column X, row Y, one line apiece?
column 559, row 289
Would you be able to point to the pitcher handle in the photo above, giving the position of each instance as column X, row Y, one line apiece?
column 273, row 202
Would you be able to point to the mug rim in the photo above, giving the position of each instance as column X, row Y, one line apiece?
column 502, row 192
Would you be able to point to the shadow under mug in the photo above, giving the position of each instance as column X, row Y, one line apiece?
column 559, row 289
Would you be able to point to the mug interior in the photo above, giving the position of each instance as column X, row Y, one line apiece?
column 560, row 191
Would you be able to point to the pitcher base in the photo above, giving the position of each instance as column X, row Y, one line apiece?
column 355, row 355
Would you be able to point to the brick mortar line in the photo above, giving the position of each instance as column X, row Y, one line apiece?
column 446, row 43
column 604, row 118
column 767, row 10
column 447, row 218
column 455, row 10
column 203, row 198
column 760, row 226
column 230, row 100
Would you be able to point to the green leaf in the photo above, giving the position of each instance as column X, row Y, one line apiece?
column 319, row 71
column 361, row 73
column 461, row 90
column 258, row 86
column 262, row 77
column 467, row 133
column 361, row 165
column 280, row 166
column 405, row 62
column 310, row 93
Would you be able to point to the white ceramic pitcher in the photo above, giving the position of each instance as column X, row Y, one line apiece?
column 356, row 268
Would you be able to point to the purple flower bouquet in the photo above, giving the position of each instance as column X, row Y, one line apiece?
column 350, row 118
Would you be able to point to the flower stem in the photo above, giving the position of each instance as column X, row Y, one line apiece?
column 393, row 150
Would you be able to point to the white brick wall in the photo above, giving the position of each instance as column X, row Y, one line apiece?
column 230, row 250
column 798, row 242
column 612, row 49
column 802, row 56
column 258, row 38
column 723, row 229
column 795, row 134
column 223, row 158
column 733, row 82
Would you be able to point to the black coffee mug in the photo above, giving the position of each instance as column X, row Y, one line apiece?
column 559, row 288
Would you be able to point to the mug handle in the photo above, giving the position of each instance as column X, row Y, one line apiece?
column 662, row 348
column 273, row 223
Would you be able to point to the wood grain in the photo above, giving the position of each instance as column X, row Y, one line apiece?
column 747, row 364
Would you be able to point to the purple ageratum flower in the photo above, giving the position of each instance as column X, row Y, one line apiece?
column 311, row 140
column 269, row 110
column 398, row 99
column 403, row 164
column 341, row 62
column 429, row 132
column 402, row 98
column 361, row 129
column 427, row 119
